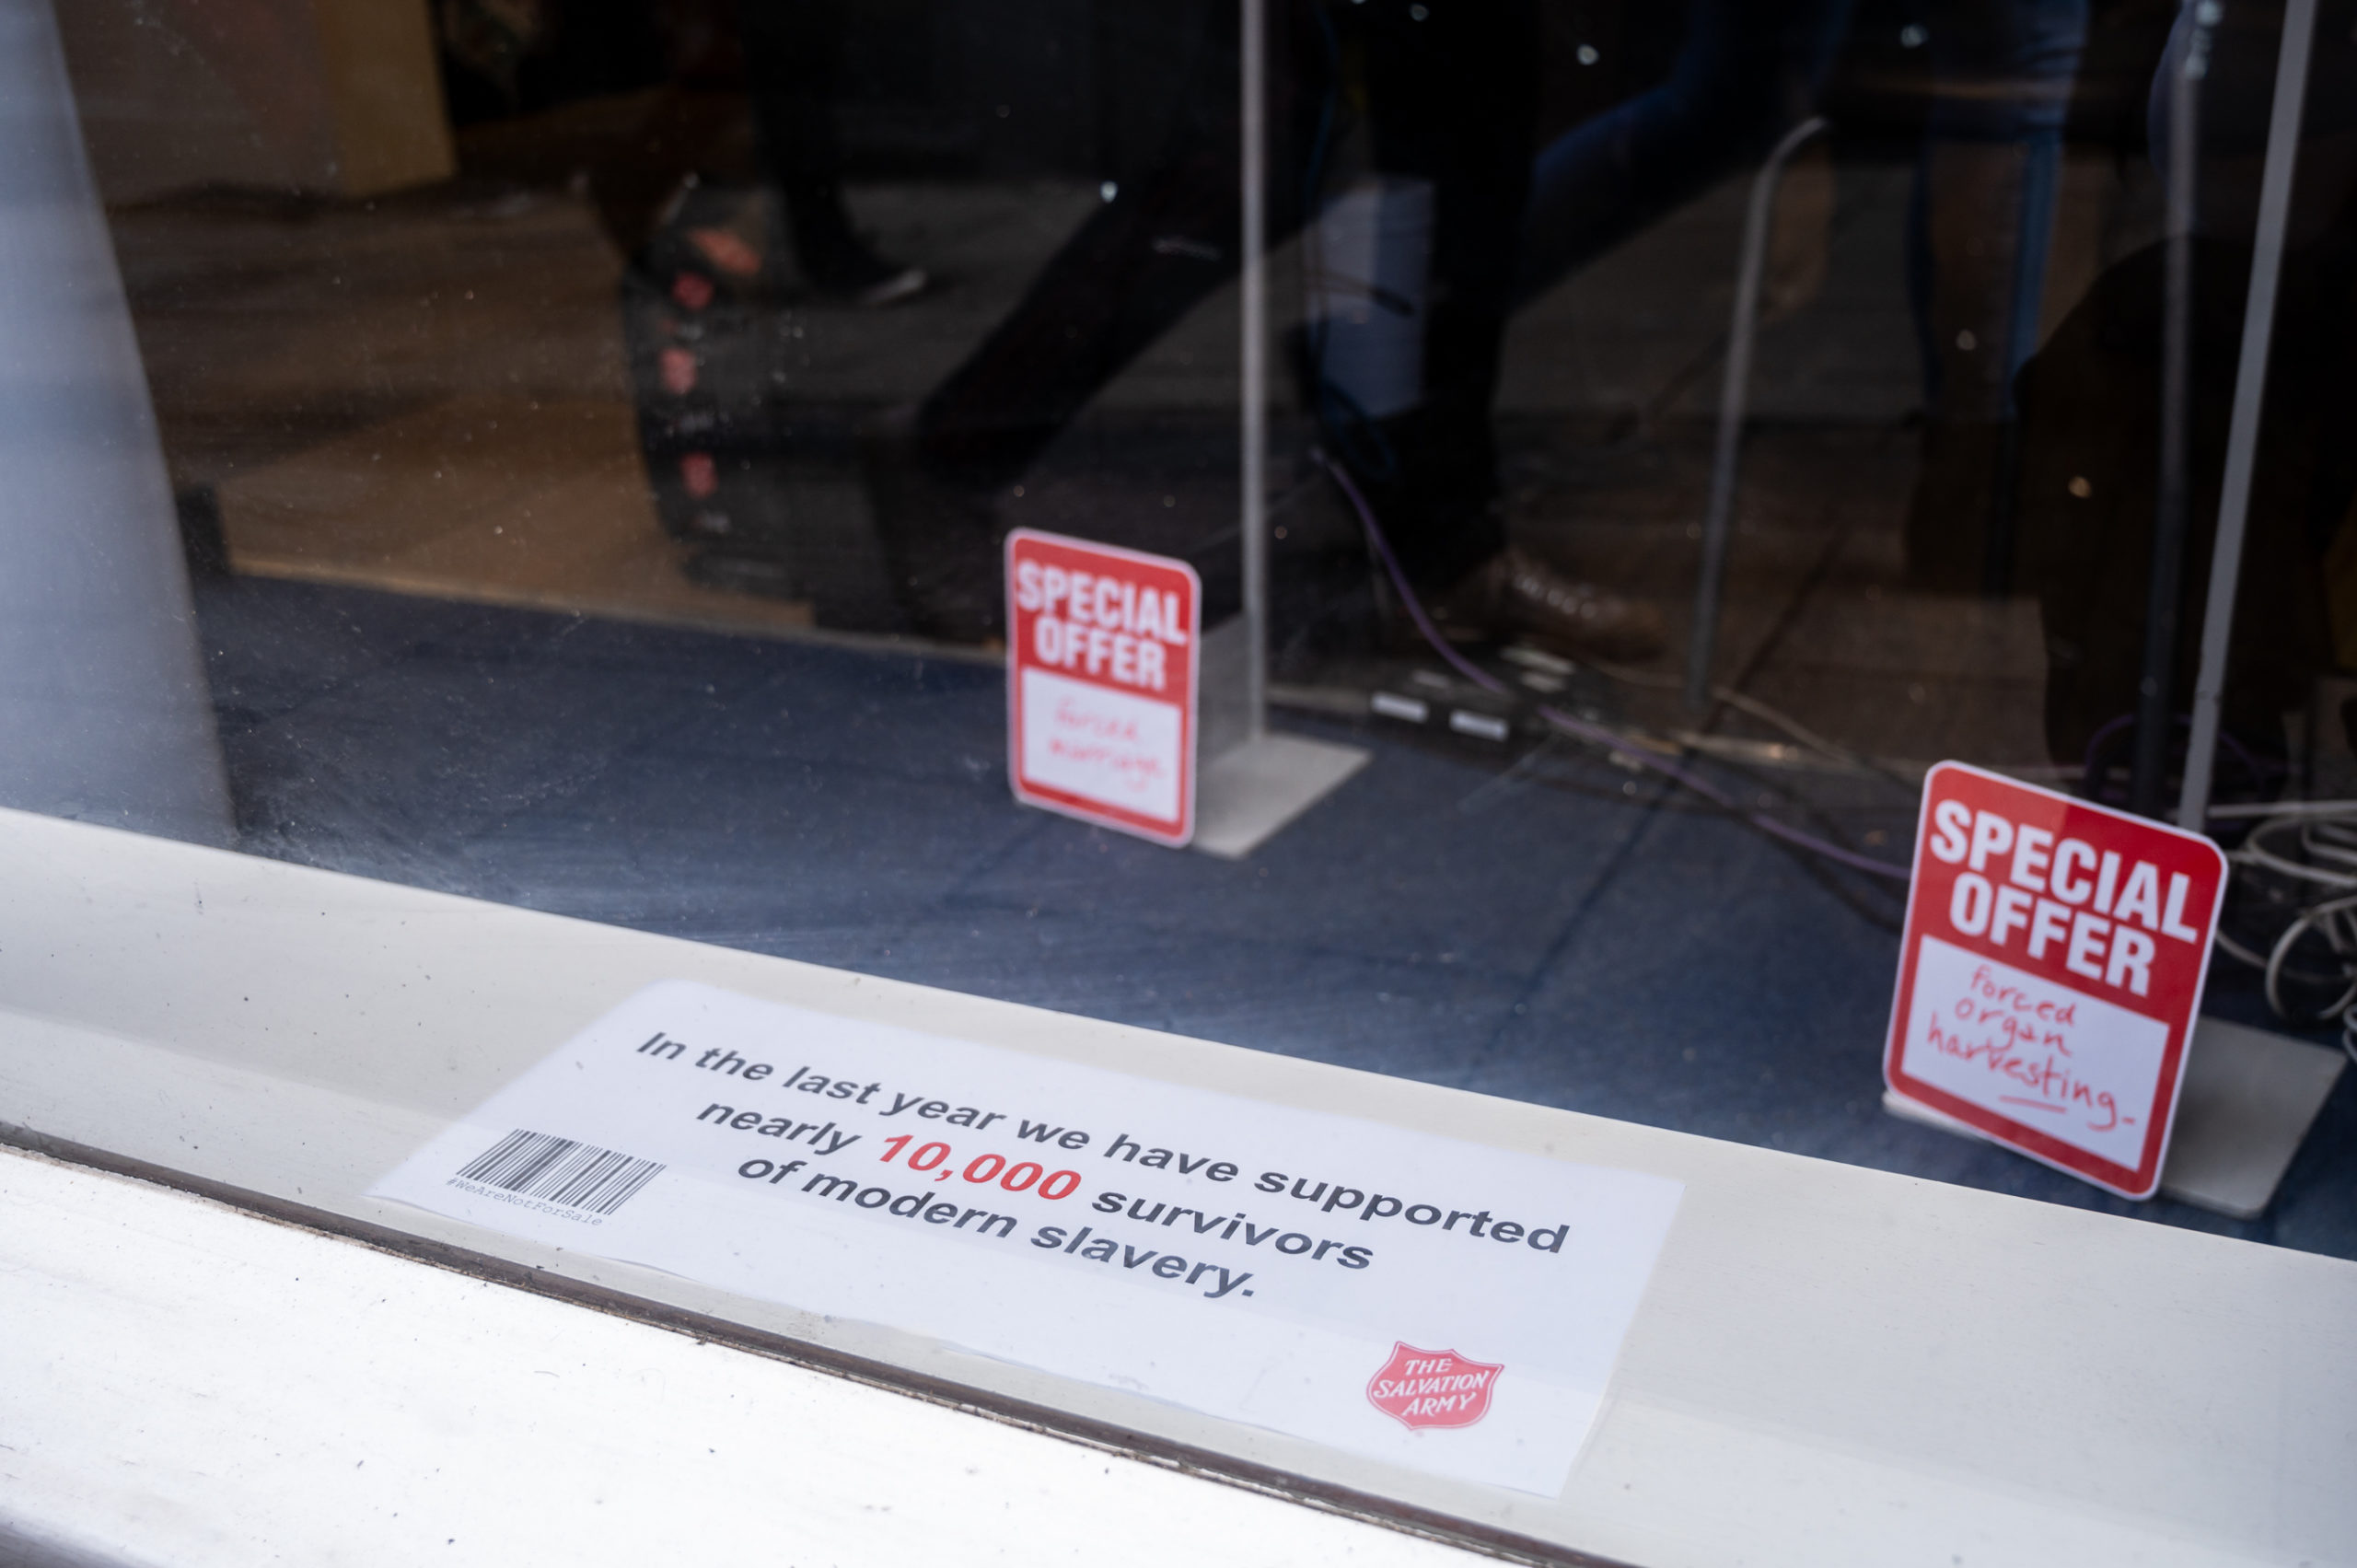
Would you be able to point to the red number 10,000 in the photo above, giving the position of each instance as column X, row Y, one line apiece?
column 985, row 1168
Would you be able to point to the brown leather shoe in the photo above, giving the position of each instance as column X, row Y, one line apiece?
column 1517, row 594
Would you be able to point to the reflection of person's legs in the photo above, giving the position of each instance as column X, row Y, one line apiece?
column 1134, row 270
column 1451, row 95
column 1450, row 102
column 1452, row 99
column 1137, row 265
column 1749, row 70
column 793, row 57
column 1982, row 224
column 1163, row 243
column 1453, row 92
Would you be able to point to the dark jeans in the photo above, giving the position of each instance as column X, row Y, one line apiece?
column 1749, row 70
column 793, row 59
column 1450, row 93
column 2003, row 76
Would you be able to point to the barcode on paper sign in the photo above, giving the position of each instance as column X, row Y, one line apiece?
column 561, row 1170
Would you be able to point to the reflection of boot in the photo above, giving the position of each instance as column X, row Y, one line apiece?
column 1517, row 594
column 836, row 260
column 1430, row 476
column 941, row 539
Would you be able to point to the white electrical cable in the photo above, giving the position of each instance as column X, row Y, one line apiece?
column 2312, row 845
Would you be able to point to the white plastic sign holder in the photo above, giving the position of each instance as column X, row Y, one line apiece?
column 1254, row 780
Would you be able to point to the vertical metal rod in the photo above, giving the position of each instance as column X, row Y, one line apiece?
column 1734, row 390
column 2250, row 396
column 2033, row 243
column 2155, row 704
column 1255, row 432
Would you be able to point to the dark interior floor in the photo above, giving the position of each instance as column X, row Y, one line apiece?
column 1562, row 934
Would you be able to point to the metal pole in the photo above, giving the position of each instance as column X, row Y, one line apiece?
column 1255, row 433
column 2251, row 395
column 1735, row 391
column 2156, row 707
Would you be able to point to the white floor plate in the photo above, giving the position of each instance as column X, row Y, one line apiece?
column 2249, row 1100
column 1244, row 796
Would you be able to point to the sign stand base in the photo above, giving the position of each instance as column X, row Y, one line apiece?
column 1253, row 780
column 2249, row 1100
column 1244, row 796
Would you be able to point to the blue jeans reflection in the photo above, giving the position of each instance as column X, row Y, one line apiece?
column 1979, row 228
column 1751, row 69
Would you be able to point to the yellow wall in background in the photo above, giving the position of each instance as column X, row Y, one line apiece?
column 329, row 97
column 389, row 127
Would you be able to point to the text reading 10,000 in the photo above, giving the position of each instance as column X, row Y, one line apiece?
column 986, row 1168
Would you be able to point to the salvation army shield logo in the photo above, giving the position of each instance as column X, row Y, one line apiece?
column 1432, row 1388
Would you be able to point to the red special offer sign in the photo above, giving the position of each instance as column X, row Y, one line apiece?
column 1100, row 683
column 2053, row 966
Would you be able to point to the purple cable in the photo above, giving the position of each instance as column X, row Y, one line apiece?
column 1598, row 734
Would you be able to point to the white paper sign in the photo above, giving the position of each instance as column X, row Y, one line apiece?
column 1102, row 745
column 2023, row 1047
column 1437, row 1304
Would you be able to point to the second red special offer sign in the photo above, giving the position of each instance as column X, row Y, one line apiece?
column 2053, row 966
column 1100, row 683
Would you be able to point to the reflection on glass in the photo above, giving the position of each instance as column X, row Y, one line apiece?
column 593, row 425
